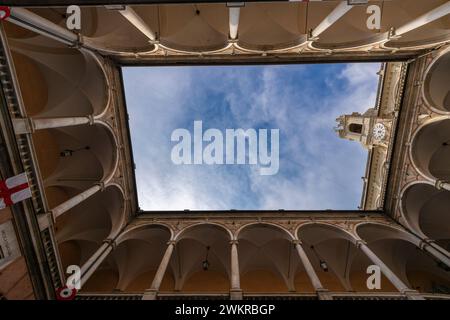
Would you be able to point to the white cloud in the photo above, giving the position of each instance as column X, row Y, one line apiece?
column 328, row 166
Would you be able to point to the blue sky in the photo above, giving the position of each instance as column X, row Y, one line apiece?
column 317, row 169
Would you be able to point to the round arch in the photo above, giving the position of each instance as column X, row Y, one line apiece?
column 385, row 231
column 264, row 224
column 187, row 229
column 424, row 209
column 76, row 251
column 201, row 261
column 266, row 250
column 430, row 34
column 130, row 232
column 77, row 157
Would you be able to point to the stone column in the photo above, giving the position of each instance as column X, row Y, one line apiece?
column 392, row 277
column 322, row 293
column 72, row 202
column 151, row 293
column 29, row 125
column 32, row 21
column 235, row 291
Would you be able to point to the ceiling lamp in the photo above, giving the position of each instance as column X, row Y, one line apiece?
column 205, row 263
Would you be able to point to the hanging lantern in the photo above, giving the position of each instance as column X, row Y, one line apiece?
column 205, row 263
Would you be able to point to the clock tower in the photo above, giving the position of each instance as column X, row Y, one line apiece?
column 367, row 128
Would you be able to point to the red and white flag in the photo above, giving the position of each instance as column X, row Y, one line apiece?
column 13, row 190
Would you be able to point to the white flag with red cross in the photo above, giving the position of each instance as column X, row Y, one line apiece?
column 13, row 190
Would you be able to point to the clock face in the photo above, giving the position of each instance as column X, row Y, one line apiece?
column 379, row 131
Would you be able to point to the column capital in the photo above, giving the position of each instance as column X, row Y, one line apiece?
column 91, row 119
column 234, row 241
column 102, row 185
column 297, row 241
column 392, row 34
column 360, row 242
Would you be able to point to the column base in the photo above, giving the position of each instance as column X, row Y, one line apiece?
column 324, row 294
column 236, row 294
column 150, row 295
